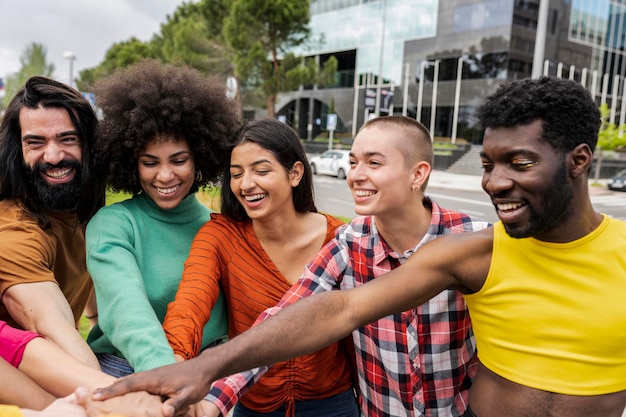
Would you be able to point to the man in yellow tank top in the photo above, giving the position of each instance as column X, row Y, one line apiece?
column 545, row 286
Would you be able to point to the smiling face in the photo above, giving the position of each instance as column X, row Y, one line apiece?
column 166, row 171
column 260, row 183
column 526, row 179
column 379, row 177
column 52, row 153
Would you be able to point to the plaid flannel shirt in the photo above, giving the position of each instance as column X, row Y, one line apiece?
column 417, row 363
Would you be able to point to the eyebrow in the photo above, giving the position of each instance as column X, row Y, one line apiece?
column 174, row 155
column 511, row 154
column 370, row 154
column 58, row 135
column 259, row 162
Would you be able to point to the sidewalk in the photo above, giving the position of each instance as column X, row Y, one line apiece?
column 452, row 181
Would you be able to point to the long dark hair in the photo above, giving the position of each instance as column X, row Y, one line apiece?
column 47, row 93
column 283, row 142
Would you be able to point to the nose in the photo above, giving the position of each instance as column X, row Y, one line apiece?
column 53, row 153
column 496, row 180
column 247, row 181
column 164, row 174
column 356, row 172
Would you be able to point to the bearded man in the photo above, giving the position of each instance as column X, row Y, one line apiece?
column 48, row 192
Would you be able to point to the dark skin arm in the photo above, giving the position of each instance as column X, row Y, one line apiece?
column 458, row 261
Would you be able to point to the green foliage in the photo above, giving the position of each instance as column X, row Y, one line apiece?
column 444, row 145
column 249, row 39
column 298, row 71
column 33, row 61
column 327, row 76
column 609, row 136
column 84, row 327
column 114, row 197
column 192, row 35
column 119, row 55
column 258, row 29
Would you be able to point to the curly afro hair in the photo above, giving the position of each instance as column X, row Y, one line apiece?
column 150, row 99
column 570, row 115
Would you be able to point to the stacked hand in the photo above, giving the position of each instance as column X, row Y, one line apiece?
column 182, row 384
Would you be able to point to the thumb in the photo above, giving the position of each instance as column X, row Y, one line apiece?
column 83, row 395
column 168, row 409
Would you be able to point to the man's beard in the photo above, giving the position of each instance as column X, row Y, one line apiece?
column 56, row 197
column 555, row 210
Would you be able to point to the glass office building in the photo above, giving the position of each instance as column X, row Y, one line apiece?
column 412, row 56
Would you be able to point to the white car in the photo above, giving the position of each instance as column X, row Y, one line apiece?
column 334, row 162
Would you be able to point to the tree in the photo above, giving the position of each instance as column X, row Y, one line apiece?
column 610, row 138
column 192, row 35
column 244, row 38
column 259, row 32
column 33, row 61
column 305, row 71
column 119, row 55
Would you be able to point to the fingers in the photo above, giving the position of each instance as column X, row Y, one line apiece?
column 119, row 387
column 83, row 396
column 174, row 408
column 167, row 409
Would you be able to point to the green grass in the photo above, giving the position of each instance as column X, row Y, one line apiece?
column 114, row 197
column 83, row 327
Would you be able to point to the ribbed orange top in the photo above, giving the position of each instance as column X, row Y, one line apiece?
column 228, row 254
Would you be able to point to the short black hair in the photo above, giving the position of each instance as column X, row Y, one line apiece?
column 569, row 113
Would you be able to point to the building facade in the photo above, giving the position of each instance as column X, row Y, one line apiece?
column 437, row 60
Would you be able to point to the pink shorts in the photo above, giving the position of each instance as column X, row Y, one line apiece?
column 13, row 342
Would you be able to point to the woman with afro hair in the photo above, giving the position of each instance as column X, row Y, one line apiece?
column 162, row 135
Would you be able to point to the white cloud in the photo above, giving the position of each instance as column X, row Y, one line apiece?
column 86, row 27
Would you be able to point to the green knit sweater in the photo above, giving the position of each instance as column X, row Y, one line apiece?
column 135, row 255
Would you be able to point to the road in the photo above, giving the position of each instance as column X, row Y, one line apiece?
column 333, row 196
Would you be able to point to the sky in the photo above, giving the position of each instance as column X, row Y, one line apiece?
column 87, row 28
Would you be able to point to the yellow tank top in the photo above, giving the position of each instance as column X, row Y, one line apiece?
column 10, row 411
column 552, row 316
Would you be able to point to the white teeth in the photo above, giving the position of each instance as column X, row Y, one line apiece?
column 254, row 197
column 167, row 190
column 508, row 206
column 363, row 193
column 59, row 174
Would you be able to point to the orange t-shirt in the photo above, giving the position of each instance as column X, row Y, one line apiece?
column 30, row 254
column 228, row 254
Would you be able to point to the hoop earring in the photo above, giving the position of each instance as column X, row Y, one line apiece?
column 198, row 176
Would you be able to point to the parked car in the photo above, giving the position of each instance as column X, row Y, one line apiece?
column 334, row 162
column 618, row 181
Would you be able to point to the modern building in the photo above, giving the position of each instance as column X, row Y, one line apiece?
column 437, row 60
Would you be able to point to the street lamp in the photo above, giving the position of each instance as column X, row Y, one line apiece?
column 69, row 55
column 420, row 94
column 457, row 96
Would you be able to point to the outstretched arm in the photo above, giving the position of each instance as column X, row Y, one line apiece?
column 63, row 407
column 16, row 388
column 41, row 307
column 56, row 371
column 455, row 261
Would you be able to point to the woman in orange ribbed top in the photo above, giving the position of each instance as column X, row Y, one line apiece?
column 255, row 250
